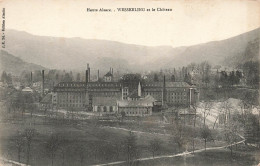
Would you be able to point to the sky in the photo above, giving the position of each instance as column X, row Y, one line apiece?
column 189, row 23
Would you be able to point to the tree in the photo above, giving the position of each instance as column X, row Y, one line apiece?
column 131, row 148
column 187, row 78
column 154, row 146
column 6, row 78
column 230, row 134
column 19, row 141
column 206, row 108
column 118, row 145
column 53, row 143
column 251, row 70
column 172, row 78
column 179, row 137
column 67, row 78
column 194, row 107
column 252, row 129
column 78, row 77
column 63, row 148
column 123, row 115
column 155, row 78
column 226, row 108
column 29, row 134
column 205, row 134
column 81, row 152
column 231, row 78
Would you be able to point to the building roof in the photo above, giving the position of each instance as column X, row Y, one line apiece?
column 47, row 98
column 103, row 85
column 109, row 74
column 71, row 84
column 104, row 101
column 143, row 102
column 167, row 84
column 134, row 94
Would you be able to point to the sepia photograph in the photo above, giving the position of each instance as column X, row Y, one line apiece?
column 130, row 83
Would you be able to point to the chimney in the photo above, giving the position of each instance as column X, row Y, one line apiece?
column 112, row 70
column 86, row 77
column 31, row 79
column 42, row 82
column 88, row 68
column 98, row 75
column 163, row 91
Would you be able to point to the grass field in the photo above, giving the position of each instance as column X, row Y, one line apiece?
column 100, row 144
column 88, row 142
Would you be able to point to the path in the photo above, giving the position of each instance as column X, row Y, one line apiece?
column 135, row 131
column 11, row 162
column 171, row 156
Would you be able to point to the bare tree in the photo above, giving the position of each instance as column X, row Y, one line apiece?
column 206, row 108
column 19, row 141
column 131, row 148
column 154, row 146
column 194, row 107
column 179, row 137
column 118, row 148
column 53, row 144
column 81, row 152
column 63, row 150
column 226, row 108
column 230, row 134
column 206, row 135
column 29, row 134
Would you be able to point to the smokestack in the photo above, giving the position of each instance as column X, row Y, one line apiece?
column 42, row 82
column 98, row 75
column 86, row 77
column 88, row 74
column 31, row 79
column 112, row 70
column 163, row 91
column 88, row 68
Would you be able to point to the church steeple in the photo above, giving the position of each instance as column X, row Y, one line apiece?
column 139, row 90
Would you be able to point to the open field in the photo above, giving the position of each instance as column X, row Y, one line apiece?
column 89, row 141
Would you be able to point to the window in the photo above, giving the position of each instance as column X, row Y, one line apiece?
column 110, row 109
column 98, row 109
column 104, row 109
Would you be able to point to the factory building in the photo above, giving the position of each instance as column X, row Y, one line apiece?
column 129, row 90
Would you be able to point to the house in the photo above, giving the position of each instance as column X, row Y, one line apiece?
column 46, row 102
column 108, row 77
column 141, row 107
column 104, row 105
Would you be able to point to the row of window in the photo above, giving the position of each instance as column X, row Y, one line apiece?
column 104, row 85
column 71, row 105
column 136, row 112
column 105, row 109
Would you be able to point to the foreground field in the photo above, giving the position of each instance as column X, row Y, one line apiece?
column 90, row 142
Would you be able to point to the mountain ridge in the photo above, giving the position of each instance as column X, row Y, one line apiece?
column 12, row 64
column 76, row 52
